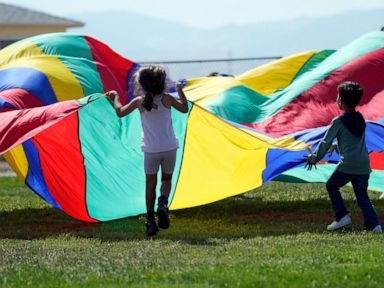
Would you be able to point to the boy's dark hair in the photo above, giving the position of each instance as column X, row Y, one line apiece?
column 350, row 93
column 382, row 28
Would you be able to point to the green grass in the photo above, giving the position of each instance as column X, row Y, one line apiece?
column 271, row 237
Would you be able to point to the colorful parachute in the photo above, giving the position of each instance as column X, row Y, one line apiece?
column 296, row 96
column 81, row 158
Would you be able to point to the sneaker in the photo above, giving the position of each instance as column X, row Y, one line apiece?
column 152, row 228
column 346, row 220
column 377, row 229
column 163, row 216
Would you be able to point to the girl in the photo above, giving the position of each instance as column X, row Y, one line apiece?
column 159, row 142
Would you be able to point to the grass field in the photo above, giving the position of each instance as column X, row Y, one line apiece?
column 273, row 236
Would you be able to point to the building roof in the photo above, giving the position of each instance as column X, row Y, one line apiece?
column 15, row 15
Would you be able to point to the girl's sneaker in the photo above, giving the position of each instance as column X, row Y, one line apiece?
column 152, row 228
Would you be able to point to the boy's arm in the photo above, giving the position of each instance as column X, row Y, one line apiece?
column 121, row 110
column 182, row 104
column 325, row 143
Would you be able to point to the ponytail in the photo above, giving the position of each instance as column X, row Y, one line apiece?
column 148, row 101
column 152, row 81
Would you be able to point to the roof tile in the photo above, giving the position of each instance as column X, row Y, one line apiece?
column 15, row 15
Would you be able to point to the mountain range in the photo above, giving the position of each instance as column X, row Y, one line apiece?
column 148, row 39
column 145, row 38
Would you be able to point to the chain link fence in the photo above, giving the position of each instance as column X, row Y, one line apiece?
column 201, row 68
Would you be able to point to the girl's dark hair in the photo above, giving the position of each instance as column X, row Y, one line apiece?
column 152, row 80
column 350, row 93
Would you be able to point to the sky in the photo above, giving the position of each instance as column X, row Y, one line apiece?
column 206, row 13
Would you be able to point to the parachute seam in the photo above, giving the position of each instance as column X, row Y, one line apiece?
column 182, row 158
column 85, row 170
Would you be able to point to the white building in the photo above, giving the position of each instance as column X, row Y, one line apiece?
column 17, row 23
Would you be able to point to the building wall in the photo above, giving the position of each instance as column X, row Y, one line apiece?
column 10, row 34
column 19, row 32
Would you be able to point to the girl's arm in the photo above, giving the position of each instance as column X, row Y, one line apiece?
column 121, row 110
column 182, row 103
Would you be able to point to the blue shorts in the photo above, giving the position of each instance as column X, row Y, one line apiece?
column 152, row 162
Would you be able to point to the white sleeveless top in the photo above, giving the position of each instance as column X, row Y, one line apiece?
column 158, row 134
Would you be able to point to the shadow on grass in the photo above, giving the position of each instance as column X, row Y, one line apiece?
column 234, row 218
column 35, row 223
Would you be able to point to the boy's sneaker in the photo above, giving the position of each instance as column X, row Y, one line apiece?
column 152, row 228
column 162, row 213
column 377, row 229
column 346, row 220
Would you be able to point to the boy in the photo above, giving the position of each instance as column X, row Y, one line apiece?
column 353, row 166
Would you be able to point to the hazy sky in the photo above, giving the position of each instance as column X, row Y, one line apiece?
column 206, row 13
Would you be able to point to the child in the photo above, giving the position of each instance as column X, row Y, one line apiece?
column 159, row 142
column 353, row 166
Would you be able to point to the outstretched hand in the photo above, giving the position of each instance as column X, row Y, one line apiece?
column 111, row 95
column 309, row 163
column 179, row 86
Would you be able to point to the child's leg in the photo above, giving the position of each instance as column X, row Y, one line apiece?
column 151, row 166
column 150, row 197
column 166, row 185
column 162, row 203
column 167, row 167
column 360, row 187
column 150, row 191
column 334, row 183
